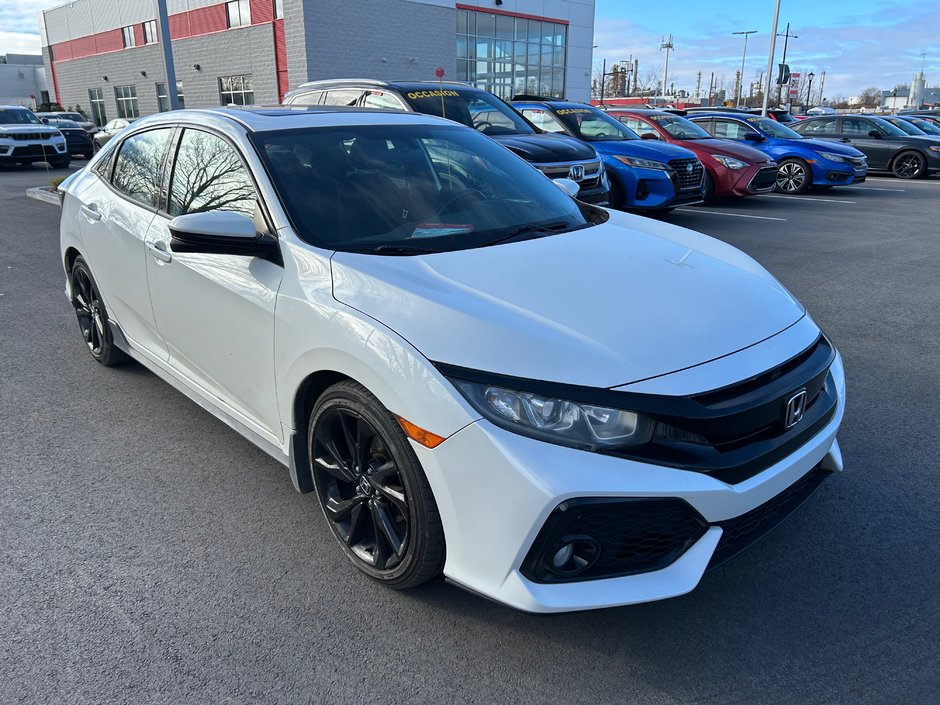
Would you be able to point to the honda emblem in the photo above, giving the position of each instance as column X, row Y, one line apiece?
column 576, row 173
column 795, row 407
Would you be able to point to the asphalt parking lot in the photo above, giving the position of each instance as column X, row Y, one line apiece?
column 148, row 554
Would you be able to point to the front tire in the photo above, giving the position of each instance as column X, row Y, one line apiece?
column 909, row 165
column 61, row 162
column 372, row 490
column 793, row 177
column 92, row 316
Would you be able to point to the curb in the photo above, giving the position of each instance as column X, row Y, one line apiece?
column 41, row 193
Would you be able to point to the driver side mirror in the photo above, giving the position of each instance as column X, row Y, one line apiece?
column 45, row 121
column 753, row 137
column 221, row 233
column 649, row 136
column 875, row 134
column 568, row 186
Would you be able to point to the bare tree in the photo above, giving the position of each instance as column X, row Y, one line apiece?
column 649, row 80
column 870, row 97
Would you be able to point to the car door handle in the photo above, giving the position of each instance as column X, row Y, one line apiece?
column 159, row 251
column 91, row 212
column 845, row 139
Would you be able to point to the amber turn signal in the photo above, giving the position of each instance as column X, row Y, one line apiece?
column 419, row 435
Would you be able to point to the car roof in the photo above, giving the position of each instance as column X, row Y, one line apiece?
column 740, row 115
column 555, row 103
column 371, row 82
column 640, row 111
column 256, row 119
column 8, row 107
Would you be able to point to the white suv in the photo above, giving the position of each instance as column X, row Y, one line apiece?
column 25, row 139
column 558, row 406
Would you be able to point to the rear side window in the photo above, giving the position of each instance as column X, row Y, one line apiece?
column 855, row 126
column 343, row 96
column 208, row 175
column 824, row 126
column 138, row 168
column 311, row 98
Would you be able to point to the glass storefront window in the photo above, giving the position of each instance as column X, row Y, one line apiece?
column 509, row 55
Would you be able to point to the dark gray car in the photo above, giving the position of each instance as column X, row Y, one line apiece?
column 887, row 147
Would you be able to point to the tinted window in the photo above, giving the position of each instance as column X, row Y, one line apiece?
column 825, row 126
column 345, row 96
column 856, row 126
column 679, row 127
column 18, row 116
column 139, row 164
column 594, row 125
column 378, row 99
column 904, row 126
column 478, row 109
column 730, row 130
column 434, row 187
column 772, row 127
column 209, row 175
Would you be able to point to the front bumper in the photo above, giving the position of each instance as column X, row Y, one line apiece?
column 828, row 173
column 497, row 489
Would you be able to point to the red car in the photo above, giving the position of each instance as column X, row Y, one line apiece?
column 731, row 169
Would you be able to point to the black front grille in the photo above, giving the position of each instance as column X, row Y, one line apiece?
column 764, row 179
column 634, row 536
column 743, row 531
column 32, row 150
column 30, row 136
column 688, row 174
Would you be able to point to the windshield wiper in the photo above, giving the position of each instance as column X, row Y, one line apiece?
column 526, row 230
column 400, row 250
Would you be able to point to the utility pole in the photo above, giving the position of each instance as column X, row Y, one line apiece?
column 667, row 45
column 822, row 85
column 770, row 56
column 603, row 80
column 737, row 97
column 698, row 85
column 711, row 88
column 786, row 39
column 167, row 45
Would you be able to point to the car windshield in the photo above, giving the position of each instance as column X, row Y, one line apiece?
column 679, row 127
column 773, row 128
column 412, row 189
column 65, row 124
column 594, row 125
column 905, row 126
column 887, row 128
column 925, row 126
column 77, row 117
column 18, row 116
column 473, row 108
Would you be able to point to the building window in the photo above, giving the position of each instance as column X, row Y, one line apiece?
column 163, row 99
column 278, row 9
column 511, row 55
column 128, row 33
column 150, row 32
column 236, row 90
column 126, row 98
column 98, row 114
column 239, row 13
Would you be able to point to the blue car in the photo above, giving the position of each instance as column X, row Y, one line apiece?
column 643, row 175
column 802, row 163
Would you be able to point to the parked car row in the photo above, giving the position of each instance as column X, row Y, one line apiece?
column 25, row 139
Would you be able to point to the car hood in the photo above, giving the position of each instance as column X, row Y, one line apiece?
column 28, row 129
column 547, row 148
column 644, row 149
column 601, row 307
column 828, row 146
column 728, row 147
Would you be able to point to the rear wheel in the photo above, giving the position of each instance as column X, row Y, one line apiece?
column 793, row 177
column 909, row 165
column 92, row 316
column 372, row 490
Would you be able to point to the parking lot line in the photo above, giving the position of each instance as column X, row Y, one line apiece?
column 732, row 215
column 906, row 182
column 805, row 198
column 873, row 188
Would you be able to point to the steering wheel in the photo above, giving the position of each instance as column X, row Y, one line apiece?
column 459, row 196
column 482, row 125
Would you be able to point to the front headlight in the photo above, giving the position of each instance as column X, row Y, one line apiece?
column 641, row 163
column 831, row 157
column 729, row 162
column 557, row 420
column 934, row 148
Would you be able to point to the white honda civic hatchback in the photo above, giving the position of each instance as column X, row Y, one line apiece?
column 558, row 406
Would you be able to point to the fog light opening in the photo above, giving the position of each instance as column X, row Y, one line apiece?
column 573, row 555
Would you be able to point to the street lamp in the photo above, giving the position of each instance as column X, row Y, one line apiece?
column 737, row 101
column 809, row 91
column 770, row 57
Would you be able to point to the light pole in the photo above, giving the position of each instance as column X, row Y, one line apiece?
column 737, row 101
column 770, row 57
column 809, row 91
column 667, row 45
column 786, row 40
column 167, row 46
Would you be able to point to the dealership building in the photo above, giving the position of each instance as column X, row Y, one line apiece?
column 105, row 56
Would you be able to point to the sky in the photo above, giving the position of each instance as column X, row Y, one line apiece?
column 858, row 44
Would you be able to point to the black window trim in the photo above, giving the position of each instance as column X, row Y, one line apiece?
column 112, row 158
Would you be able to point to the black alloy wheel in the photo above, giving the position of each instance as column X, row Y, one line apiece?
column 909, row 165
column 93, row 317
column 793, row 177
column 372, row 490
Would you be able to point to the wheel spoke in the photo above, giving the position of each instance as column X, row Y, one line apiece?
column 339, row 468
column 351, row 440
column 383, row 472
column 395, row 497
column 355, row 521
column 340, row 509
column 386, row 527
column 380, row 551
